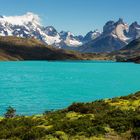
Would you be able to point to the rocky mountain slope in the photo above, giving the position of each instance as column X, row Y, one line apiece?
column 115, row 35
column 130, row 53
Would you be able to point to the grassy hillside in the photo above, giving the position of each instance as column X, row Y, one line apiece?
column 110, row 119
column 14, row 48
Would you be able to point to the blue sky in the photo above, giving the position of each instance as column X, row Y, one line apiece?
column 77, row 16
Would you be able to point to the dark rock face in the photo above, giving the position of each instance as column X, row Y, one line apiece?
column 134, row 30
column 132, row 46
column 68, row 35
column 130, row 53
column 109, row 27
column 51, row 31
column 91, row 36
column 104, row 44
column 113, row 37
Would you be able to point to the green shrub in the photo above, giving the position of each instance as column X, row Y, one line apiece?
column 78, row 107
column 10, row 112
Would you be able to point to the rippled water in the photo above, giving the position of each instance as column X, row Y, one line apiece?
column 33, row 87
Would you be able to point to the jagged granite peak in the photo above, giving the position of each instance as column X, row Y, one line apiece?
column 51, row 31
column 68, row 34
column 120, row 21
column 135, row 24
column 91, row 35
column 65, row 34
column 70, row 40
column 79, row 37
column 134, row 30
column 108, row 27
column 118, row 29
column 114, row 37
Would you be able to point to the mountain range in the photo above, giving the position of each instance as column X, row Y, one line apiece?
column 115, row 35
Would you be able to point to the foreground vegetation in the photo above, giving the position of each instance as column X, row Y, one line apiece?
column 111, row 119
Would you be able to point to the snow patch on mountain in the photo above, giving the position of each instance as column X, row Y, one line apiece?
column 21, row 20
column 91, row 36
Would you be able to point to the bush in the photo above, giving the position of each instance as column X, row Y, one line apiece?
column 78, row 107
column 136, row 133
column 10, row 113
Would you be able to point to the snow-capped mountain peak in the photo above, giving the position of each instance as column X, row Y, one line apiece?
column 50, row 31
column 21, row 20
column 67, row 34
column 29, row 25
column 91, row 35
column 70, row 40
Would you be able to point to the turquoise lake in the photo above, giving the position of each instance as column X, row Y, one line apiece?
column 33, row 87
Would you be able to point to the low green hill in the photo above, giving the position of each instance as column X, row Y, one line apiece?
column 110, row 119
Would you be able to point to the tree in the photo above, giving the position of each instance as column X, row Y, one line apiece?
column 10, row 112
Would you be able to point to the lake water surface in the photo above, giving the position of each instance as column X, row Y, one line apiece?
column 33, row 87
